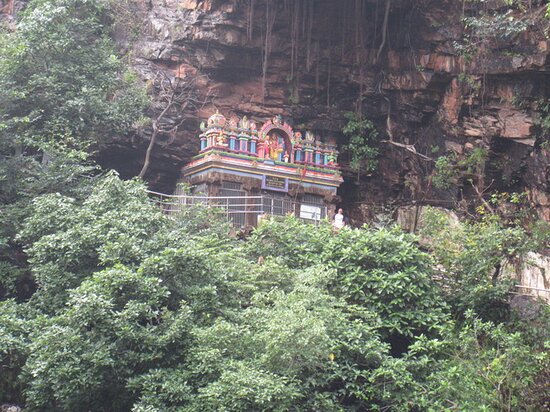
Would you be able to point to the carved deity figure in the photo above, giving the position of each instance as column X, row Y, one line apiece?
column 220, row 140
column 272, row 147
column 331, row 158
column 245, row 123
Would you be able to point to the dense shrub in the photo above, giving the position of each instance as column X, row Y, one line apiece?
column 150, row 313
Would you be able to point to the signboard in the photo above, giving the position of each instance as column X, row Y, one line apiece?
column 279, row 184
column 310, row 212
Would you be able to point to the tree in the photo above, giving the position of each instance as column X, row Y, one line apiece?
column 62, row 84
column 179, row 316
column 67, row 240
column 15, row 327
column 385, row 272
column 63, row 92
column 382, row 270
column 363, row 136
column 469, row 256
column 175, row 96
column 115, row 327
column 490, row 369
column 291, row 242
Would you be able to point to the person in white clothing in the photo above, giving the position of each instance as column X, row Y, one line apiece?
column 339, row 220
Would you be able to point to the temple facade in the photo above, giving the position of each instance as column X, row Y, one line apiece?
column 263, row 169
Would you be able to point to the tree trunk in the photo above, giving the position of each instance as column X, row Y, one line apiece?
column 147, row 161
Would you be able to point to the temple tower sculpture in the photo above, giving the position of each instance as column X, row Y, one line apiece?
column 270, row 169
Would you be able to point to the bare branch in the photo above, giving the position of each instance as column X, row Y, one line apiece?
column 481, row 198
column 409, row 148
column 174, row 94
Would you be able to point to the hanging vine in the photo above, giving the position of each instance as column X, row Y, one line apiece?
column 270, row 16
column 295, row 17
column 250, row 20
column 384, row 29
column 343, row 21
column 358, row 23
column 359, row 35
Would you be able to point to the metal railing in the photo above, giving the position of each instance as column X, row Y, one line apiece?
column 241, row 210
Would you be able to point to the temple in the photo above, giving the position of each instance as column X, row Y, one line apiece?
column 268, row 169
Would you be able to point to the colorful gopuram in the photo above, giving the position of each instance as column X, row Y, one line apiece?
column 279, row 170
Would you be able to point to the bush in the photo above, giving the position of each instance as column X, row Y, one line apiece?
column 115, row 327
column 163, row 314
column 66, row 241
column 469, row 256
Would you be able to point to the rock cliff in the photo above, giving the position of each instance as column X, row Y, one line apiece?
column 434, row 82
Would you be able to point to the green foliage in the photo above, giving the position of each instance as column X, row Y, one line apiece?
column 514, row 197
column 445, row 173
column 303, row 339
column 196, row 274
column 489, row 29
column 15, row 327
column 363, row 136
column 469, row 81
column 385, row 272
column 470, row 256
column 289, row 240
column 474, row 160
column 543, row 123
column 128, row 17
column 115, row 326
column 161, row 389
column 64, row 92
column 539, row 235
column 381, row 270
column 139, row 311
column 449, row 168
column 496, row 25
column 62, row 84
column 68, row 241
column 486, row 28
column 243, row 387
column 491, row 370
column 136, row 310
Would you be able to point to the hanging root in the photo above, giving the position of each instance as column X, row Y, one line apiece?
column 250, row 22
column 270, row 21
column 389, row 125
column 384, row 30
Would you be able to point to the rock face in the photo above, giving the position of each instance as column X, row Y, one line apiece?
column 532, row 274
column 312, row 60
